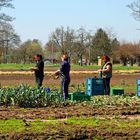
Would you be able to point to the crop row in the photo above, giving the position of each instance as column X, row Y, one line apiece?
column 26, row 96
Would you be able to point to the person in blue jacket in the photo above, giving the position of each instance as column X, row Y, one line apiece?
column 64, row 73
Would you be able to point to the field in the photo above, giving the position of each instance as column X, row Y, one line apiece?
column 116, row 117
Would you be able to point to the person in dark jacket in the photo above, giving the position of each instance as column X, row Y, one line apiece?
column 106, row 73
column 38, row 70
column 64, row 73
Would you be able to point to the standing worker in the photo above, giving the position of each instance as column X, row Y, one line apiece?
column 106, row 73
column 64, row 73
column 39, row 70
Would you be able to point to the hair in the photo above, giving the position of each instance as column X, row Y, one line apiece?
column 40, row 56
column 105, row 57
column 65, row 56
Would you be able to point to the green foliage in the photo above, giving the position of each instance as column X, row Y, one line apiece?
column 101, row 44
column 114, row 101
column 25, row 96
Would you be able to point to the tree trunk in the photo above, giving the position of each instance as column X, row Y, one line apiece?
column 123, row 61
column 81, row 61
column 138, row 61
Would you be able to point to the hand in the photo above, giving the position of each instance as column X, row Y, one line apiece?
column 33, row 69
column 57, row 72
column 99, row 70
column 54, row 75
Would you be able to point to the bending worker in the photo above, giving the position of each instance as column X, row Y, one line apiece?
column 106, row 73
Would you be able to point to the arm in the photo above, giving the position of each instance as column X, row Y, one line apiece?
column 56, row 72
column 34, row 69
column 108, row 68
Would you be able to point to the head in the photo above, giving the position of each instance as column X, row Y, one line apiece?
column 64, row 57
column 38, row 57
column 105, row 58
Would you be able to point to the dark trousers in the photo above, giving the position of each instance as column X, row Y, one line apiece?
column 106, row 82
column 64, row 87
column 39, row 81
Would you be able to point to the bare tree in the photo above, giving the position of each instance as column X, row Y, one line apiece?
column 135, row 7
column 81, row 41
column 64, row 40
column 8, row 37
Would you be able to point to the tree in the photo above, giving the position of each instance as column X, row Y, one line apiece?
column 126, row 53
column 115, row 45
column 28, row 49
column 88, row 46
column 50, row 51
column 8, row 37
column 69, row 41
column 3, row 17
column 63, row 39
column 101, row 44
column 136, row 53
column 58, row 38
column 135, row 7
column 80, row 45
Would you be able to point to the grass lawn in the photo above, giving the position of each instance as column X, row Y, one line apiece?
column 56, row 66
column 74, row 126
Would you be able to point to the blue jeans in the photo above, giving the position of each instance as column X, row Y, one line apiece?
column 64, row 87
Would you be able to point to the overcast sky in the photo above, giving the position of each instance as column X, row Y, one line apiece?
column 38, row 18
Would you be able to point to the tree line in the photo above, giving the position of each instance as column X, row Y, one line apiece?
column 82, row 46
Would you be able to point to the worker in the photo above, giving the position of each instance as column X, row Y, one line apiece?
column 106, row 73
column 38, row 70
column 64, row 73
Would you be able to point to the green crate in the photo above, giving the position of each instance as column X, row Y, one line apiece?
column 117, row 91
column 78, row 96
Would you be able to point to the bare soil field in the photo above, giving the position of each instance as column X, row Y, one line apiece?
column 68, row 131
column 123, row 79
column 65, row 130
column 76, row 78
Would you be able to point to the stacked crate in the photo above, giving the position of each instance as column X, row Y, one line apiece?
column 94, row 86
column 138, row 87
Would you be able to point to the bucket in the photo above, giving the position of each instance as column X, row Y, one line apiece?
column 47, row 89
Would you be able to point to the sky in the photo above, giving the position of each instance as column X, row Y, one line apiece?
column 37, row 19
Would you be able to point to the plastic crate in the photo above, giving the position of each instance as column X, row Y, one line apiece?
column 89, row 81
column 138, row 82
column 94, row 86
column 117, row 91
column 95, row 81
column 98, row 81
column 94, row 92
column 78, row 96
column 138, row 87
column 138, row 93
